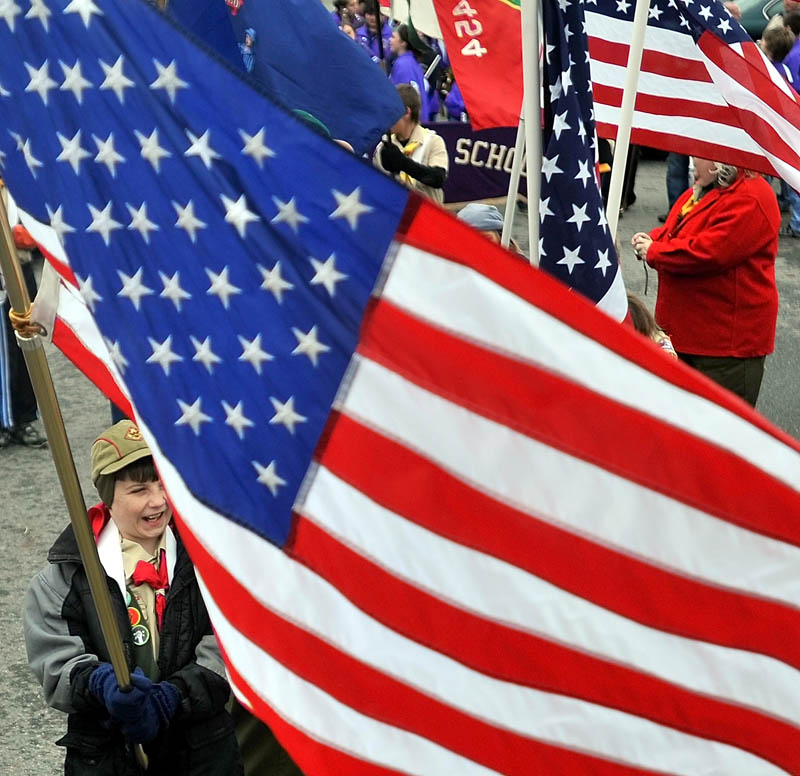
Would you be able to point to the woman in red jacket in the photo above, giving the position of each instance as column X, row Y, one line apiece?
column 715, row 257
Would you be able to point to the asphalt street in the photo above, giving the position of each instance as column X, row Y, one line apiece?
column 33, row 513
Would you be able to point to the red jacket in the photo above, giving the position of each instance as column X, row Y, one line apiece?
column 716, row 271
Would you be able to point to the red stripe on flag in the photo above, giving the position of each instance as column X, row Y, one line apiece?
column 609, row 578
column 433, row 230
column 684, row 144
column 65, row 339
column 498, row 650
column 752, row 78
column 373, row 693
column 581, row 423
column 656, row 62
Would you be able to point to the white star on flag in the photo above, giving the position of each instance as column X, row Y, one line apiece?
column 274, row 281
column 172, row 289
column 115, row 79
column 192, row 415
column 40, row 80
column 578, row 216
column 308, row 344
column 9, row 10
column 571, row 258
column 237, row 213
column 168, row 79
column 267, row 475
column 350, row 206
column 71, row 151
column 288, row 213
column 107, row 154
column 133, row 288
column 40, row 11
column 204, row 355
column 200, row 147
column 57, row 222
column 550, row 167
column 163, row 355
column 85, row 8
column 326, row 274
column 221, row 286
column 236, row 419
column 151, row 150
column 253, row 353
column 74, row 81
column 102, row 222
column 115, row 351
column 86, row 289
column 187, row 219
column 285, row 414
column 254, row 147
column 140, row 222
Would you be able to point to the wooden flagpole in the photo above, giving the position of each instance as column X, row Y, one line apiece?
column 29, row 340
column 626, row 115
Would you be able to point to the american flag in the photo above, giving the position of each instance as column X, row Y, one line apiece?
column 575, row 243
column 705, row 87
column 448, row 517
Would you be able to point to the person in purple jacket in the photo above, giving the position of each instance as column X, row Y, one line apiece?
column 348, row 9
column 454, row 102
column 406, row 69
column 368, row 34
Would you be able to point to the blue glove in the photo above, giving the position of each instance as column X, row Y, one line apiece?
column 161, row 701
column 122, row 706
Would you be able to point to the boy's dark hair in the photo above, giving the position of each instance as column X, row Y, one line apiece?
column 792, row 21
column 143, row 470
column 778, row 41
column 411, row 99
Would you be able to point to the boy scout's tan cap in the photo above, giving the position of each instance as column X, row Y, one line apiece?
column 119, row 446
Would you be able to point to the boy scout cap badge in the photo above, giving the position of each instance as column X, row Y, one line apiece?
column 116, row 448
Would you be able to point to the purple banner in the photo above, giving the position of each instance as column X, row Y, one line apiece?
column 480, row 162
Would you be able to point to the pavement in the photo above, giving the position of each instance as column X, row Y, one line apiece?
column 33, row 512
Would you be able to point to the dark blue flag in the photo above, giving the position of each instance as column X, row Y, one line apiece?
column 306, row 63
column 575, row 243
column 210, row 21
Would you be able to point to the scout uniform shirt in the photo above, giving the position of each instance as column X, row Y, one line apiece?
column 141, row 603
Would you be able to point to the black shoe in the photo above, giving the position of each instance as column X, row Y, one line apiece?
column 662, row 218
column 5, row 438
column 28, row 435
column 787, row 231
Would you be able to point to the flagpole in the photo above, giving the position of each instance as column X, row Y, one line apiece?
column 626, row 115
column 29, row 339
column 513, row 184
column 529, row 18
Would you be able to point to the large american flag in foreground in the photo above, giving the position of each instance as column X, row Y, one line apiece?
column 449, row 518
column 705, row 87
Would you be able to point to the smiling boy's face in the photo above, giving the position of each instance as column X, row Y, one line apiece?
column 140, row 511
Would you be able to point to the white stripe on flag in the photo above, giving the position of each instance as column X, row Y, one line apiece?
column 453, row 296
column 465, row 444
column 504, row 593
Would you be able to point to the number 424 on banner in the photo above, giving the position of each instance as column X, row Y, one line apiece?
column 484, row 41
column 470, row 28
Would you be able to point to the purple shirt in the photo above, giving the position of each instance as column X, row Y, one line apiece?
column 792, row 62
column 369, row 40
column 406, row 70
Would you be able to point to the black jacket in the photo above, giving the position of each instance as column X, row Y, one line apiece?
column 65, row 644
